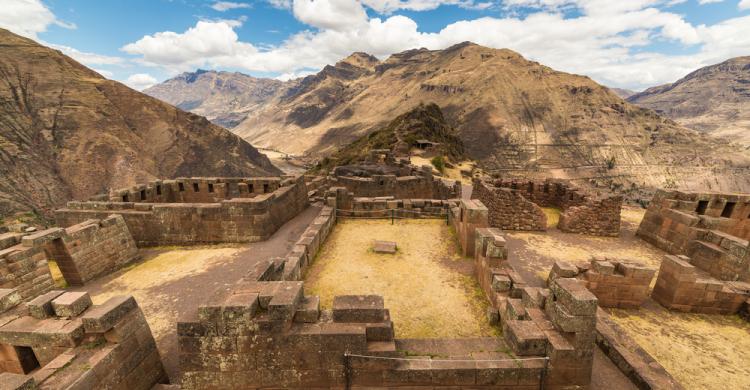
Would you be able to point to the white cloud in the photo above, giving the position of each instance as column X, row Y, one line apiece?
column 222, row 6
column 709, row 1
column 605, row 40
column 104, row 73
column 282, row 4
column 28, row 17
column 744, row 4
column 388, row 6
column 140, row 81
column 330, row 14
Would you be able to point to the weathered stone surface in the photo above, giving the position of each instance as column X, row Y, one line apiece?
column 309, row 310
column 9, row 297
column 525, row 337
column 9, row 381
column 41, row 306
column 384, row 247
column 358, row 308
column 71, row 304
column 102, row 318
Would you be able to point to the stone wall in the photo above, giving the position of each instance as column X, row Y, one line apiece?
column 516, row 205
column 193, row 190
column 616, row 283
column 233, row 220
column 421, row 184
column 387, row 206
column 59, row 340
column 24, row 267
column 466, row 218
column 689, row 223
column 89, row 249
column 684, row 287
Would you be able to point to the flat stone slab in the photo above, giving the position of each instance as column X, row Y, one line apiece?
column 71, row 304
column 358, row 308
column 9, row 298
column 12, row 381
column 384, row 247
column 41, row 306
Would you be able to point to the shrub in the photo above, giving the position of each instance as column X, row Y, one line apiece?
column 439, row 163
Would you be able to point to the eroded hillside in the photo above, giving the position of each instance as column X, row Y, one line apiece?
column 68, row 133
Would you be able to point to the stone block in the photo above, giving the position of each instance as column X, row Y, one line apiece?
column 388, row 247
column 9, row 298
column 576, row 298
column 41, row 306
column 102, row 318
column 500, row 283
column 525, row 338
column 10, row 381
column 358, row 308
column 309, row 310
column 563, row 269
column 71, row 304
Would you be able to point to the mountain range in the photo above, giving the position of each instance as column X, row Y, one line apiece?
column 714, row 99
column 513, row 116
column 67, row 133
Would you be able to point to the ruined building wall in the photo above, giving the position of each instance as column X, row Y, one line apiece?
column 60, row 341
column 233, row 220
column 468, row 216
column 711, row 229
column 90, row 249
column 420, row 185
column 508, row 209
column 193, row 190
column 24, row 267
column 516, row 205
column 684, row 287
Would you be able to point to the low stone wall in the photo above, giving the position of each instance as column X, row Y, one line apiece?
column 24, row 267
column 59, row 340
column 421, row 184
column 387, row 207
column 616, row 283
column 683, row 287
column 632, row 360
column 234, row 220
column 515, row 205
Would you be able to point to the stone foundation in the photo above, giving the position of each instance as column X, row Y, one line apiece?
column 413, row 183
column 67, row 343
column 239, row 219
column 515, row 205
column 616, row 283
column 682, row 286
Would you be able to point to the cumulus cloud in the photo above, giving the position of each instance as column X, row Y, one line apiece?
column 222, row 6
column 605, row 40
column 140, row 81
column 87, row 58
column 744, row 4
column 29, row 18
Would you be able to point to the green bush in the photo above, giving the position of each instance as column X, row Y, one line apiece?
column 439, row 163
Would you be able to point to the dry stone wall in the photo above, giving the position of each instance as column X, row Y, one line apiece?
column 193, row 190
column 420, row 184
column 516, row 205
column 232, row 220
column 60, row 341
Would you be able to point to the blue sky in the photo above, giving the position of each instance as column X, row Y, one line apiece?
column 632, row 43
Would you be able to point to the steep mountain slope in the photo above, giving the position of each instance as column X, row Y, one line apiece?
column 68, row 133
column 224, row 98
column 426, row 121
column 714, row 99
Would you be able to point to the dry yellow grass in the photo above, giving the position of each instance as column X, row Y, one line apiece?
column 632, row 215
column 700, row 351
column 553, row 216
column 57, row 276
column 425, row 296
column 159, row 269
column 450, row 173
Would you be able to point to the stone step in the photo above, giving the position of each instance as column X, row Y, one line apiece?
column 383, row 348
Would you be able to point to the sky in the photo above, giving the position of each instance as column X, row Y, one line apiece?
column 631, row 44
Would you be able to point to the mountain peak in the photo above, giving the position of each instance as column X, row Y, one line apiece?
column 361, row 60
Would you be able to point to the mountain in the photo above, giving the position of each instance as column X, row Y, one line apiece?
column 68, row 133
column 425, row 121
column 224, row 98
column 623, row 93
column 714, row 100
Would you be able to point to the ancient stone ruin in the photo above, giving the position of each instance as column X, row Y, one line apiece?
column 517, row 205
column 268, row 330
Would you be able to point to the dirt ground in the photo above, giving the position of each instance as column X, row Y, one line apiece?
column 534, row 253
column 171, row 282
column 427, row 286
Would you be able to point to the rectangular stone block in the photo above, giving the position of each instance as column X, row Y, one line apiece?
column 358, row 308
column 576, row 298
column 41, row 306
column 71, row 304
column 102, row 318
column 9, row 297
column 309, row 310
column 525, row 338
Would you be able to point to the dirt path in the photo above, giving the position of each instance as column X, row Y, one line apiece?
column 170, row 283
